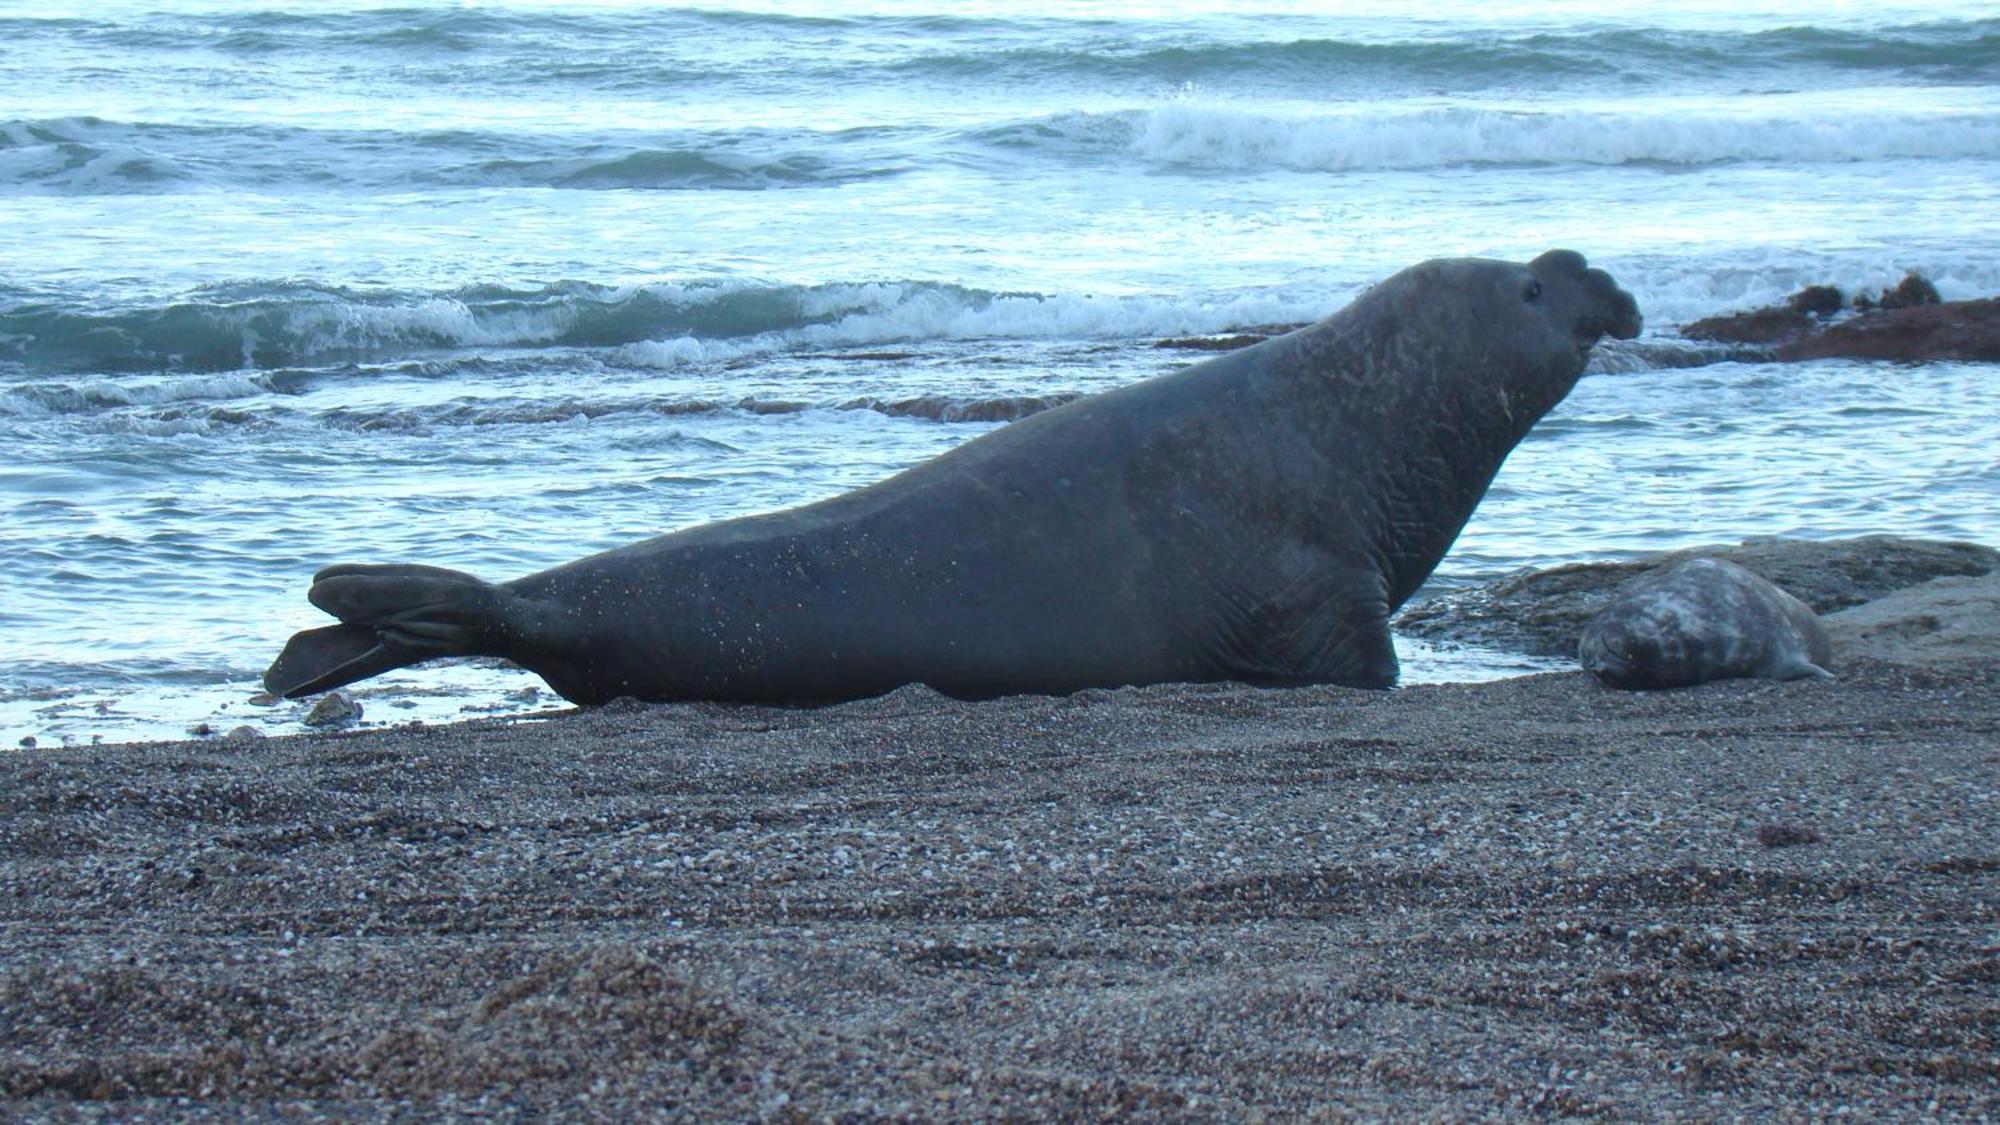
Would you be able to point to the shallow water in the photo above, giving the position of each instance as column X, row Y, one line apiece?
column 491, row 288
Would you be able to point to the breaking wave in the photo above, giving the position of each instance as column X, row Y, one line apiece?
column 661, row 325
column 1220, row 137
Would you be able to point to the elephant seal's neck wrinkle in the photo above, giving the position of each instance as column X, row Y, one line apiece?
column 1439, row 437
column 1427, row 486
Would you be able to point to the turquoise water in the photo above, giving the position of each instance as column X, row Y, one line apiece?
column 491, row 287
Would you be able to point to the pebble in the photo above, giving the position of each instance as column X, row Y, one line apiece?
column 334, row 709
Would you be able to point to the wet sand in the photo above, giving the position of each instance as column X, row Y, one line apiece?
column 1535, row 895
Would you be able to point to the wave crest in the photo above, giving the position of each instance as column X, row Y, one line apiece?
column 1227, row 138
column 662, row 324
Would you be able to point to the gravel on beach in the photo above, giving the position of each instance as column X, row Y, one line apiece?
column 1534, row 895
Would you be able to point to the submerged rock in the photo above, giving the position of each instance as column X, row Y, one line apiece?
column 1962, row 330
column 1800, row 314
column 1909, row 322
column 1915, row 289
column 1228, row 341
column 1543, row 612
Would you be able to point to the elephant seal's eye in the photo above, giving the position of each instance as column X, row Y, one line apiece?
column 1533, row 291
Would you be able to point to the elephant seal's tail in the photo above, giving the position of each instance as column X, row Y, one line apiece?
column 391, row 616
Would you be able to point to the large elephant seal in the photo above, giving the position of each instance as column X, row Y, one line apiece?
column 1706, row 619
column 1256, row 517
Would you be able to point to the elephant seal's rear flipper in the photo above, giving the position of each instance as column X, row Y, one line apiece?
column 317, row 660
column 392, row 616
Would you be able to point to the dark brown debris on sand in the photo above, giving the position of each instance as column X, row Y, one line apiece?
column 1786, row 834
column 1530, row 896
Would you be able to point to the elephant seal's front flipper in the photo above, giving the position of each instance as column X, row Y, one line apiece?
column 1353, row 645
column 392, row 616
column 1326, row 627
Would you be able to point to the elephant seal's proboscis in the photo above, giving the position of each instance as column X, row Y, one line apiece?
column 1256, row 517
column 1705, row 619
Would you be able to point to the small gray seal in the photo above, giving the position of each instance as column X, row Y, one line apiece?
column 1706, row 619
column 1254, row 517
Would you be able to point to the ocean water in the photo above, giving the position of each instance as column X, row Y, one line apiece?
column 492, row 286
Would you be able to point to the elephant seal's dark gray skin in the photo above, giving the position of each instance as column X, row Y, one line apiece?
column 1706, row 619
column 1256, row 517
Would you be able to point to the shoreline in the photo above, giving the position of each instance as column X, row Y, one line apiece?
column 80, row 697
column 1530, row 894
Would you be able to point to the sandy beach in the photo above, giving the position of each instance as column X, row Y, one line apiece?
column 1536, row 895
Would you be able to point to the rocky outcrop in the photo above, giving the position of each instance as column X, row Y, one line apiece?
column 1228, row 341
column 1962, row 330
column 1908, row 322
column 1543, row 612
column 1944, row 622
column 1802, row 313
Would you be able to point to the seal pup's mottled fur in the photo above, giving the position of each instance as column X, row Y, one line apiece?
column 1705, row 619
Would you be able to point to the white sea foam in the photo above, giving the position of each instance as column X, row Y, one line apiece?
column 81, row 156
column 681, row 351
column 1374, row 138
column 439, row 321
column 1674, row 290
column 96, row 393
